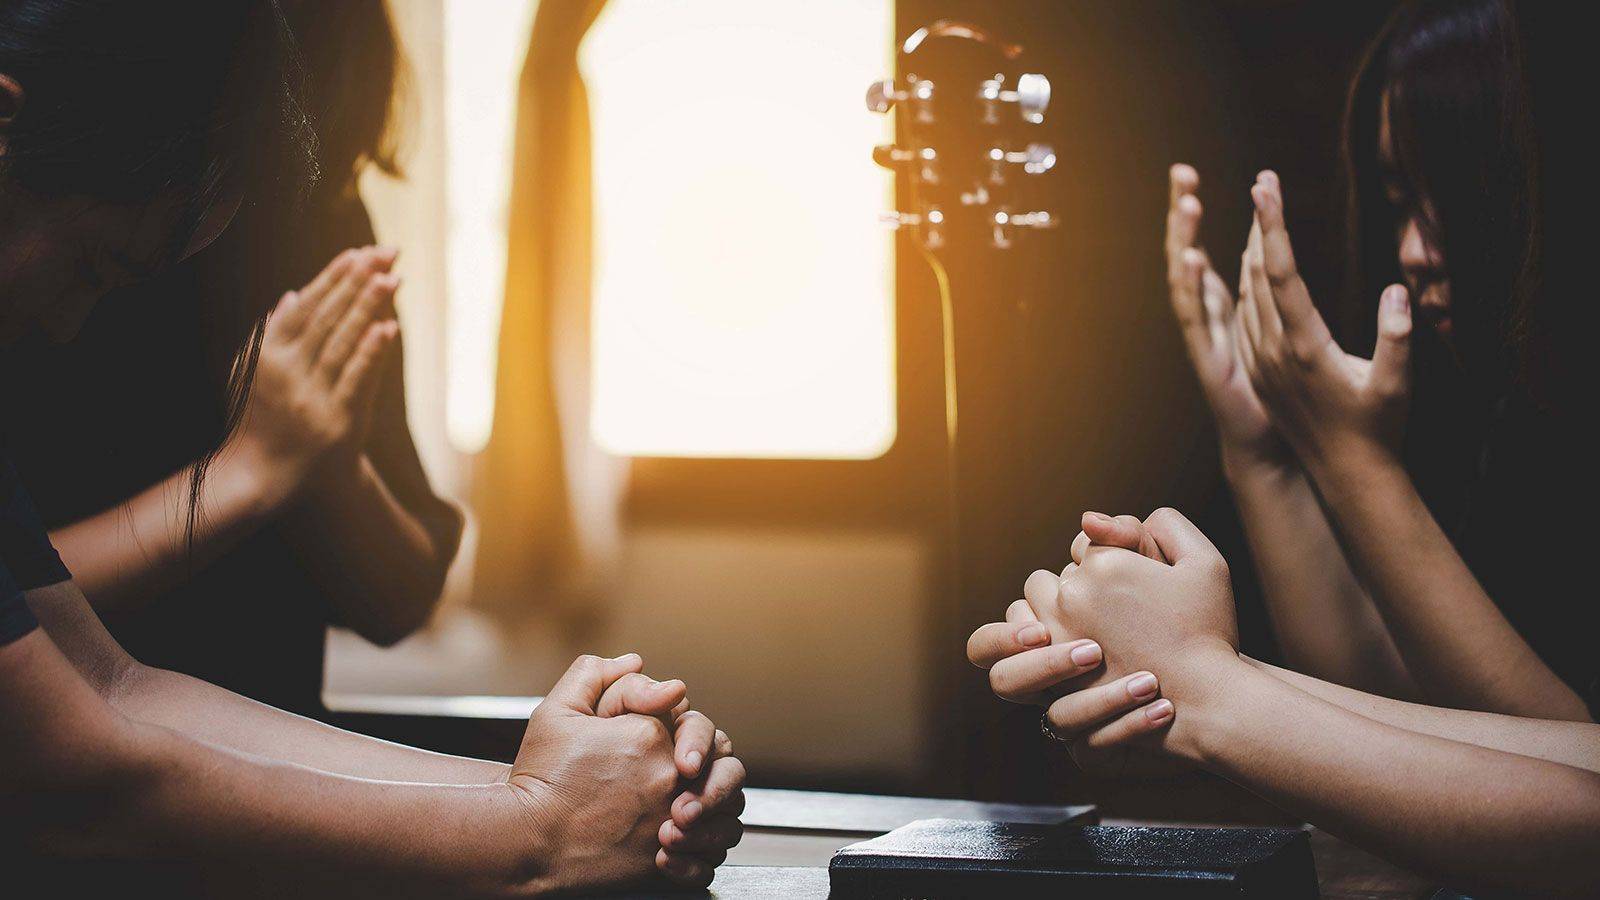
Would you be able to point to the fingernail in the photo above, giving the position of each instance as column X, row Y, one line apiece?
column 691, row 810
column 1097, row 517
column 1033, row 635
column 625, row 657
column 693, row 759
column 1142, row 685
column 1159, row 711
column 1086, row 654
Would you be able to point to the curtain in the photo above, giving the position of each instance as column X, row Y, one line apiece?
column 546, row 497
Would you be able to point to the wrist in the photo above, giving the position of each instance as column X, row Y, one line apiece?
column 1352, row 465
column 249, row 482
column 1243, row 465
column 1203, row 687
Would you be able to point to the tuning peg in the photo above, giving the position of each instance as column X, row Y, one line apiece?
column 1035, row 159
column 1032, row 95
column 883, row 94
column 897, row 219
column 889, row 156
column 1037, row 219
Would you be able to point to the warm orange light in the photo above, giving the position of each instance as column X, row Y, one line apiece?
column 744, row 289
column 484, row 43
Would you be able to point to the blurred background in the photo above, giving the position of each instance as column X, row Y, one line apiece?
column 688, row 388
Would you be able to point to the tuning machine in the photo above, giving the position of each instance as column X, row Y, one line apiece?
column 882, row 95
column 1031, row 96
column 1005, row 224
column 1035, row 159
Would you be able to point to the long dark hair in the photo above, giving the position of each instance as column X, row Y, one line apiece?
column 135, row 103
column 169, row 100
column 1460, row 122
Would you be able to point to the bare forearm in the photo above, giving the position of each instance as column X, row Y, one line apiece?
column 1569, row 743
column 134, row 551
column 82, row 780
column 253, row 821
column 1441, row 619
column 382, row 568
column 208, row 713
column 1477, row 818
column 1322, row 617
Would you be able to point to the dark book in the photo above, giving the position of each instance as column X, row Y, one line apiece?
column 944, row 859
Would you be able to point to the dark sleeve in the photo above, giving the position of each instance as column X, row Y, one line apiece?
column 394, row 455
column 27, row 559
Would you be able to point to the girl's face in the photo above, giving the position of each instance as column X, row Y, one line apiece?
column 1422, row 263
column 58, row 257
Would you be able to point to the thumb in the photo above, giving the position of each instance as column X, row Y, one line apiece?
column 588, row 678
column 1180, row 541
column 1391, row 358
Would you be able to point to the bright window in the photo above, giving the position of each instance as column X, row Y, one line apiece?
column 744, row 289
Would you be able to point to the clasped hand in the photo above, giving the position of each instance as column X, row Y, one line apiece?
column 622, row 778
column 1138, row 598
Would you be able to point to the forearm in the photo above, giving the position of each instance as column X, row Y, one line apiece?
column 1477, row 818
column 248, row 820
column 1322, row 617
column 81, row 780
column 1569, row 743
column 136, row 550
column 381, row 566
column 1441, row 619
column 208, row 713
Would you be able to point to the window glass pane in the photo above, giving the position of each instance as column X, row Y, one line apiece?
column 744, row 288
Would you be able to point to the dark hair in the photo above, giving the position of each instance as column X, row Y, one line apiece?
column 357, row 80
column 158, row 100
column 1452, row 72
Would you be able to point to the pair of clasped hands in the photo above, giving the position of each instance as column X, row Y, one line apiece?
column 1140, row 625
column 619, row 777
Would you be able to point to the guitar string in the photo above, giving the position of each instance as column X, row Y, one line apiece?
column 947, row 337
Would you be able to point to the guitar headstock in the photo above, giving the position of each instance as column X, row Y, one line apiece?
column 966, row 128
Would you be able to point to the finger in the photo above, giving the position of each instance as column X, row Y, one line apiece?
column 1262, row 290
column 357, row 385
column 331, row 308
column 1219, row 308
column 722, row 745
column 693, row 737
column 293, row 319
column 719, row 792
column 1040, row 589
column 639, row 693
column 375, row 302
column 1290, row 297
column 1182, row 179
column 1019, row 612
column 1185, row 275
column 1026, row 677
column 1126, row 532
column 581, row 687
column 1180, row 541
column 713, row 833
column 1085, row 710
column 999, row 640
column 1391, row 358
column 1142, row 721
column 685, row 869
